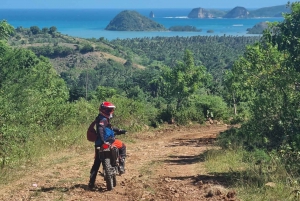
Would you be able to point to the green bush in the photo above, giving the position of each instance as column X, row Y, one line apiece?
column 215, row 104
column 133, row 115
column 86, row 48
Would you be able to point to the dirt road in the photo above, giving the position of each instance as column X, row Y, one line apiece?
column 162, row 165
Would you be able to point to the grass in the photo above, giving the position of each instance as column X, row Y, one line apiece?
column 42, row 146
column 147, row 170
column 252, row 179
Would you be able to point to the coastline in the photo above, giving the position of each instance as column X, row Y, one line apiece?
column 91, row 23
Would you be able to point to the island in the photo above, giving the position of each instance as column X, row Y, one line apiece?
column 151, row 15
column 185, row 28
column 205, row 13
column 237, row 12
column 128, row 20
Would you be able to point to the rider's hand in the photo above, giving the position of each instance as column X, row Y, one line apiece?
column 121, row 131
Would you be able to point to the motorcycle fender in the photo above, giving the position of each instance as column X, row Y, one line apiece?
column 114, row 156
column 105, row 154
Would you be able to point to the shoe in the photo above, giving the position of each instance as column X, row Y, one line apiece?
column 121, row 169
column 122, row 166
column 91, row 185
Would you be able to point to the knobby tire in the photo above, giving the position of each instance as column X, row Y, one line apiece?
column 109, row 174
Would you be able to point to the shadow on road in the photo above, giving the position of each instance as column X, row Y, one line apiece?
column 226, row 179
column 182, row 160
column 198, row 142
column 66, row 189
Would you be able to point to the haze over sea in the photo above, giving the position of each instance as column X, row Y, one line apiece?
column 91, row 23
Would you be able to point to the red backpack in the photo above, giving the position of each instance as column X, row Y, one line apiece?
column 91, row 133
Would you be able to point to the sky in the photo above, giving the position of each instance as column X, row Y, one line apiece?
column 128, row 4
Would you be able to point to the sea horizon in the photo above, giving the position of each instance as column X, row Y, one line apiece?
column 91, row 23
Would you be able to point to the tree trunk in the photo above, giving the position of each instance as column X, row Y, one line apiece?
column 234, row 104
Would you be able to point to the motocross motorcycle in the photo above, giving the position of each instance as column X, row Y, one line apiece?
column 109, row 156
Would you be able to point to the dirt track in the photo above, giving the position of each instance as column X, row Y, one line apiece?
column 165, row 165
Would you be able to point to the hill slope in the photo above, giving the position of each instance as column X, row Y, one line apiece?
column 273, row 11
column 237, row 12
column 258, row 28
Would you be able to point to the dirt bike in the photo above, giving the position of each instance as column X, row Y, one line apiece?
column 109, row 155
column 110, row 159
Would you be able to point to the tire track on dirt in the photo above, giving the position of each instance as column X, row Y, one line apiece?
column 176, row 177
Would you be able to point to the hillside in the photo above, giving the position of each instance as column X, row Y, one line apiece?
column 133, row 21
column 67, row 52
column 258, row 28
column 273, row 11
column 237, row 12
column 80, row 61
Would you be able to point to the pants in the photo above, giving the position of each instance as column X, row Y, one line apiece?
column 97, row 161
column 121, row 146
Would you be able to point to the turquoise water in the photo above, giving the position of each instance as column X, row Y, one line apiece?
column 91, row 23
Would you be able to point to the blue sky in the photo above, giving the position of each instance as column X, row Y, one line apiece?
column 139, row 3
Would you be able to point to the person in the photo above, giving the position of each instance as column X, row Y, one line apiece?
column 106, row 133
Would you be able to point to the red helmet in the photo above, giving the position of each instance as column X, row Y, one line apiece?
column 107, row 109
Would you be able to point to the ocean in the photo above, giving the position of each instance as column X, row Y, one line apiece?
column 91, row 23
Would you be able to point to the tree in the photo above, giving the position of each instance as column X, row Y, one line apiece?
column 184, row 79
column 103, row 93
column 45, row 30
column 128, row 62
column 35, row 30
column 286, row 35
column 86, row 48
column 269, row 73
column 5, row 30
column 52, row 30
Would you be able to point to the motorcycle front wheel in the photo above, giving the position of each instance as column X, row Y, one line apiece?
column 109, row 175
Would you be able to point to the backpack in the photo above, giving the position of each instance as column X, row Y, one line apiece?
column 91, row 133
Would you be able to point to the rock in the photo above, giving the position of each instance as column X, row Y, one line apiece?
column 168, row 179
column 270, row 184
column 151, row 15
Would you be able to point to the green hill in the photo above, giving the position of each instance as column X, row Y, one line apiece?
column 273, row 11
column 133, row 21
column 237, row 12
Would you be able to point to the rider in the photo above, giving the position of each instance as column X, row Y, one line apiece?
column 106, row 133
